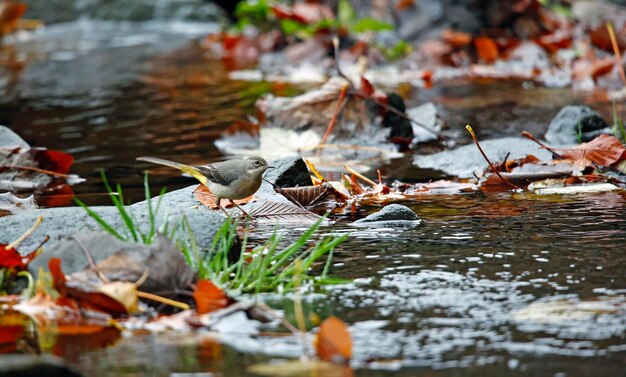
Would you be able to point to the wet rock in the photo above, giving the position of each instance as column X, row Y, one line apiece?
column 34, row 365
column 10, row 139
column 573, row 121
column 53, row 11
column 463, row 161
column 289, row 172
column 428, row 116
column 60, row 223
column 401, row 129
column 391, row 215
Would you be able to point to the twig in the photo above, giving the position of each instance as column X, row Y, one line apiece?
column 163, row 300
column 92, row 263
column 294, row 330
column 31, row 168
column 471, row 131
column 26, row 234
column 618, row 55
column 528, row 135
column 338, row 108
column 336, row 51
column 359, row 175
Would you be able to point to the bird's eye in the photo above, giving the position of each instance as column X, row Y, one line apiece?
column 257, row 162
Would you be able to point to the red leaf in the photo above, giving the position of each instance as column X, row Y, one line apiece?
column 10, row 258
column 604, row 150
column 209, row 298
column 10, row 14
column 206, row 197
column 456, row 39
column 56, row 161
column 333, row 342
column 487, row 49
column 304, row 13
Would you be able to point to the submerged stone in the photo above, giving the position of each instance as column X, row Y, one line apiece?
column 34, row 365
column 463, row 161
column 576, row 124
column 391, row 215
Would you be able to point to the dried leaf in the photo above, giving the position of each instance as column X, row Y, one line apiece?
column 486, row 49
column 283, row 212
column 123, row 292
column 333, row 342
column 604, row 150
column 303, row 12
column 307, row 195
column 206, row 197
column 456, row 39
column 209, row 297
column 10, row 14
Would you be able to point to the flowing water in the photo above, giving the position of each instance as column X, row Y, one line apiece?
column 491, row 284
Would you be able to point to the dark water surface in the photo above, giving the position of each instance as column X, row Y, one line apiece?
column 489, row 285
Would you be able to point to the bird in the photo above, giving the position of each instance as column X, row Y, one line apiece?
column 232, row 179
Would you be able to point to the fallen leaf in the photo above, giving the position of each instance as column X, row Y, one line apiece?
column 303, row 12
column 604, row 150
column 284, row 212
column 10, row 14
column 206, row 197
column 456, row 39
column 333, row 342
column 486, row 49
column 12, row 259
column 123, row 292
column 209, row 297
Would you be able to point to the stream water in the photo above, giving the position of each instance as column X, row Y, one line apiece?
column 491, row 284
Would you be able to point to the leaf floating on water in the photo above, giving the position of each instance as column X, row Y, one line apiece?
column 209, row 297
column 10, row 14
column 285, row 212
column 297, row 368
column 333, row 341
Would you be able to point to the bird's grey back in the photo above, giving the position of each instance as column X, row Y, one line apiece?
column 224, row 172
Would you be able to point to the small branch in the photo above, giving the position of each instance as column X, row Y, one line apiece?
column 26, row 234
column 528, row 135
column 618, row 55
column 338, row 108
column 163, row 300
column 359, row 175
column 471, row 131
column 31, row 168
column 336, row 51
column 92, row 263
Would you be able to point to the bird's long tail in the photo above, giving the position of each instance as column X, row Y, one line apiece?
column 182, row 167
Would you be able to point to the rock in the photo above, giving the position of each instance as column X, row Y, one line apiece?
column 463, row 161
column 401, row 130
column 34, row 365
column 9, row 139
column 391, row 215
column 289, row 172
column 60, row 223
column 564, row 128
column 427, row 115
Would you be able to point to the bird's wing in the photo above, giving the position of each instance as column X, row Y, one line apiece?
column 223, row 173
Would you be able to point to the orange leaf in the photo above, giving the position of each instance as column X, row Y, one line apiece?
column 456, row 38
column 604, row 150
column 10, row 14
column 206, row 197
column 486, row 49
column 209, row 298
column 333, row 342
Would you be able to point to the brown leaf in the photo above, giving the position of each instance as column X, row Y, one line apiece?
column 303, row 12
column 284, row 212
column 307, row 195
column 487, row 49
column 333, row 342
column 206, row 197
column 455, row 38
column 10, row 14
column 209, row 297
column 604, row 150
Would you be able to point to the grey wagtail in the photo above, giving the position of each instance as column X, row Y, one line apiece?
column 231, row 179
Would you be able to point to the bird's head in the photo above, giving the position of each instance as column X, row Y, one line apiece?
column 256, row 165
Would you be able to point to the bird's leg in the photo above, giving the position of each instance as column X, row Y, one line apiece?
column 217, row 201
column 241, row 209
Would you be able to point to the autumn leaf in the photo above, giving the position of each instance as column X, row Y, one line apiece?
column 12, row 259
column 304, row 12
column 10, row 14
column 456, row 39
column 486, row 49
column 604, row 150
column 209, row 297
column 206, row 197
column 333, row 342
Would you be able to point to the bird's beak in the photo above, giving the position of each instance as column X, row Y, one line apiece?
column 271, row 167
